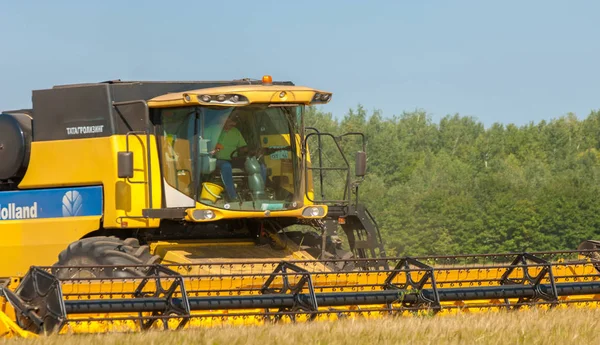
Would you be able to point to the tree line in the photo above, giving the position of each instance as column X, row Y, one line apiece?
column 456, row 187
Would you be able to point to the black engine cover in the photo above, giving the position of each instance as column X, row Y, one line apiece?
column 15, row 145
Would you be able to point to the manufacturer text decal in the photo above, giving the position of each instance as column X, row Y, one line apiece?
column 85, row 130
column 12, row 211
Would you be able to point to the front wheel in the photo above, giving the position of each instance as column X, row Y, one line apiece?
column 102, row 250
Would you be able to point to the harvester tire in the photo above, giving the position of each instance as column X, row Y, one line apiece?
column 590, row 245
column 102, row 250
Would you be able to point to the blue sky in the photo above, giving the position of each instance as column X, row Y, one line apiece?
column 502, row 61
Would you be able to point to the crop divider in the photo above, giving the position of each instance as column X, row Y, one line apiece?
column 522, row 262
column 403, row 267
column 302, row 302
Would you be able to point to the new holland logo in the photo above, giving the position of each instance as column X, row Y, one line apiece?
column 72, row 204
column 12, row 211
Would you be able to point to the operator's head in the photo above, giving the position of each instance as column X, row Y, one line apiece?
column 231, row 122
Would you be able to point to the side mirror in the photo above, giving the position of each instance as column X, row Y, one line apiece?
column 361, row 163
column 125, row 164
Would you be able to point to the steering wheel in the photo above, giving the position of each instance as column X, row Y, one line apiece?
column 267, row 151
column 236, row 151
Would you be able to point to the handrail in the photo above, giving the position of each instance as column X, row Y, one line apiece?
column 147, row 132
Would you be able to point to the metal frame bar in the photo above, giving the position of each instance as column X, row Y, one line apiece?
column 320, row 160
column 521, row 261
column 181, row 308
column 307, row 304
column 336, row 139
column 404, row 267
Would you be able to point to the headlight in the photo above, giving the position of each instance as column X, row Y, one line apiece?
column 203, row 214
column 315, row 211
column 321, row 97
column 223, row 99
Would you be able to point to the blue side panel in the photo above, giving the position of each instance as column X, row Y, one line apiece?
column 51, row 203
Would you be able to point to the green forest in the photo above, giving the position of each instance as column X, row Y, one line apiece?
column 456, row 187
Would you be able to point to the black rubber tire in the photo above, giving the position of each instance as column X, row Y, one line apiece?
column 311, row 243
column 104, row 251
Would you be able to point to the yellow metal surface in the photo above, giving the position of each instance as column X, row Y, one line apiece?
column 9, row 329
column 233, row 214
column 254, row 93
column 80, row 162
column 202, row 254
column 52, row 164
column 38, row 241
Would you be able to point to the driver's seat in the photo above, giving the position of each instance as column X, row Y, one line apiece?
column 240, row 177
column 237, row 173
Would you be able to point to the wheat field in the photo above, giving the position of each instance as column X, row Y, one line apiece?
column 561, row 326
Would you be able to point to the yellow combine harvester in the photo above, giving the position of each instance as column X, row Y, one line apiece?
column 126, row 206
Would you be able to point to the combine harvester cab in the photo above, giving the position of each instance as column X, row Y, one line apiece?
column 134, row 205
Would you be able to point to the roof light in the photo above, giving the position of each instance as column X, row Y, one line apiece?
column 321, row 97
column 223, row 99
column 267, row 80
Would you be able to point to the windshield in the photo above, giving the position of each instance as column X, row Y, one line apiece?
column 244, row 158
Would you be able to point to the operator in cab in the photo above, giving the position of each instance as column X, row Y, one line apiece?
column 229, row 140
